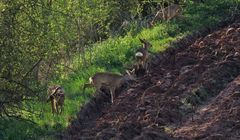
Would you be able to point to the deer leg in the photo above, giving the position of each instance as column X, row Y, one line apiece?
column 146, row 68
column 53, row 107
column 137, row 66
column 62, row 108
column 138, row 63
column 57, row 108
column 61, row 105
column 112, row 91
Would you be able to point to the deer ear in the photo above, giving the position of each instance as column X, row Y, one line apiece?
column 128, row 72
column 132, row 71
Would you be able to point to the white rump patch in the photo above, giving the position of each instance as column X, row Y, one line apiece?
column 139, row 54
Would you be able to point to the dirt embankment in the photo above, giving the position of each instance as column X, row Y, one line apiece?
column 192, row 92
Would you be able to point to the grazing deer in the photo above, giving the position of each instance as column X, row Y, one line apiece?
column 142, row 55
column 110, row 81
column 167, row 13
column 56, row 96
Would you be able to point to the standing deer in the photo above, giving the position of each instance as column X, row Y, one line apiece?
column 109, row 80
column 56, row 96
column 142, row 55
column 167, row 13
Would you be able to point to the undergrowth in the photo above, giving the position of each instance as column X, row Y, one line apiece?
column 112, row 55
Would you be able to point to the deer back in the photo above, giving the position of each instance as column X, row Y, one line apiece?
column 167, row 13
column 106, row 79
column 172, row 11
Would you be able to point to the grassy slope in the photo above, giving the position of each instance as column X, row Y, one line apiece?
column 112, row 55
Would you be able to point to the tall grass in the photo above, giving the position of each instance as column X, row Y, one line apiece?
column 112, row 55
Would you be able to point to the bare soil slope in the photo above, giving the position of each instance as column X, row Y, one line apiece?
column 192, row 92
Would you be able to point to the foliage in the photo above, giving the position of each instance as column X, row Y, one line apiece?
column 46, row 42
column 39, row 39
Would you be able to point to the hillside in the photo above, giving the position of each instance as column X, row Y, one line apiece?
column 192, row 92
column 56, row 43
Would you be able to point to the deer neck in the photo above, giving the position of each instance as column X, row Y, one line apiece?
column 145, row 47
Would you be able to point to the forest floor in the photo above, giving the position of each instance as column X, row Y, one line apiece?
column 192, row 92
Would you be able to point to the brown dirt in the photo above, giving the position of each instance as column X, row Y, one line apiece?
column 192, row 92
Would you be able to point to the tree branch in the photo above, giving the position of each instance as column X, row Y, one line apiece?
column 32, row 68
column 18, row 83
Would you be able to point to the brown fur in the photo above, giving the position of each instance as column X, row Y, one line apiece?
column 56, row 96
column 108, row 80
column 143, row 60
column 167, row 13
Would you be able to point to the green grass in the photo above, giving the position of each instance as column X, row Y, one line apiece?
column 111, row 55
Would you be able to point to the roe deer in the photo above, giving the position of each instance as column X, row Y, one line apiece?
column 110, row 81
column 142, row 55
column 167, row 13
column 56, row 96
